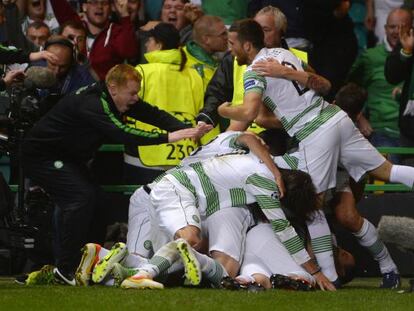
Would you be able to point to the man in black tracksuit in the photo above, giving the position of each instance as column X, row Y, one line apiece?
column 57, row 149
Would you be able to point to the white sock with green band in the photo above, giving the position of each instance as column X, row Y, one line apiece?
column 368, row 238
column 321, row 241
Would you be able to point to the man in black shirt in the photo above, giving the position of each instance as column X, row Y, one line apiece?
column 57, row 149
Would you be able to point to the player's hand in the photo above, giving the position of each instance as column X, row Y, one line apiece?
column 364, row 126
column 46, row 55
column 270, row 68
column 203, row 128
column 406, row 38
column 13, row 76
column 280, row 184
column 323, row 282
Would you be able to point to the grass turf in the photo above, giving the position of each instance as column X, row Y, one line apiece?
column 361, row 294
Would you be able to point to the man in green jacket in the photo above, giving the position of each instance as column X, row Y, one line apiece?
column 381, row 124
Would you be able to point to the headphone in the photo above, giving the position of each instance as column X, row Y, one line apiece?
column 64, row 42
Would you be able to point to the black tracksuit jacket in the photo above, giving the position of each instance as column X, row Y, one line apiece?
column 76, row 127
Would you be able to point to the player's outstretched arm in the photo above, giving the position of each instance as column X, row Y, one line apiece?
column 322, row 281
column 248, row 111
column 272, row 68
column 259, row 148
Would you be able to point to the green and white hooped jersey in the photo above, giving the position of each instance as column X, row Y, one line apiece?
column 295, row 105
column 236, row 180
column 221, row 144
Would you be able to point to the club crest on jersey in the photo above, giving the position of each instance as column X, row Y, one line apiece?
column 196, row 219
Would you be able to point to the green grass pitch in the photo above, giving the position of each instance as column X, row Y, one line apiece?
column 361, row 294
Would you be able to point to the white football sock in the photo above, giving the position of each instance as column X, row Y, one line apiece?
column 162, row 259
column 321, row 241
column 102, row 252
column 134, row 261
column 211, row 268
column 402, row 174
column 368, row 238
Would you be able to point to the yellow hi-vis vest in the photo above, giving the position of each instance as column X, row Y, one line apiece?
column 205, row 70
column 238, row 88
column 178, row 92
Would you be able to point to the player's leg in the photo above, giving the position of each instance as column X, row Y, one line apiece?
column 176, row 211
column 359, row 156
column 321, row 242
column 367, row 236
column 265, row 256
column 195, row 261
column 139, row 226
column 394, row 173
column 227, row 229
column 162, row 260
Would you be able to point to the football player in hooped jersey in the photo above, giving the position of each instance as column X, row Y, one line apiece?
column 326, row 135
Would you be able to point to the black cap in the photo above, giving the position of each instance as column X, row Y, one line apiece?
column 167, row 35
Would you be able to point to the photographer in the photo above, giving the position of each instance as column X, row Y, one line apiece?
column 57, row 149
column 70, row 75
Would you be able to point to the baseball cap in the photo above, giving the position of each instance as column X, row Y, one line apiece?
column 166, row 34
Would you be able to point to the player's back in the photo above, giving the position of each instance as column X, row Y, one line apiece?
column 221, row 182
column 292, row 103
column 221, row 144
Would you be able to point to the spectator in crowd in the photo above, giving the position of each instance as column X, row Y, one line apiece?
column 57, row 149
column 381, row 127
column 108, row 43
column 38, row 33
column 168, row 84
column 209, row 37
column 377, row 12
column 399, row 68
column 11, row 33
column 70, row 75
column 173, row 12
column 133, row 10
column 75, row 31
column 35, row 10
column 295, row 34
column 335, row 46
